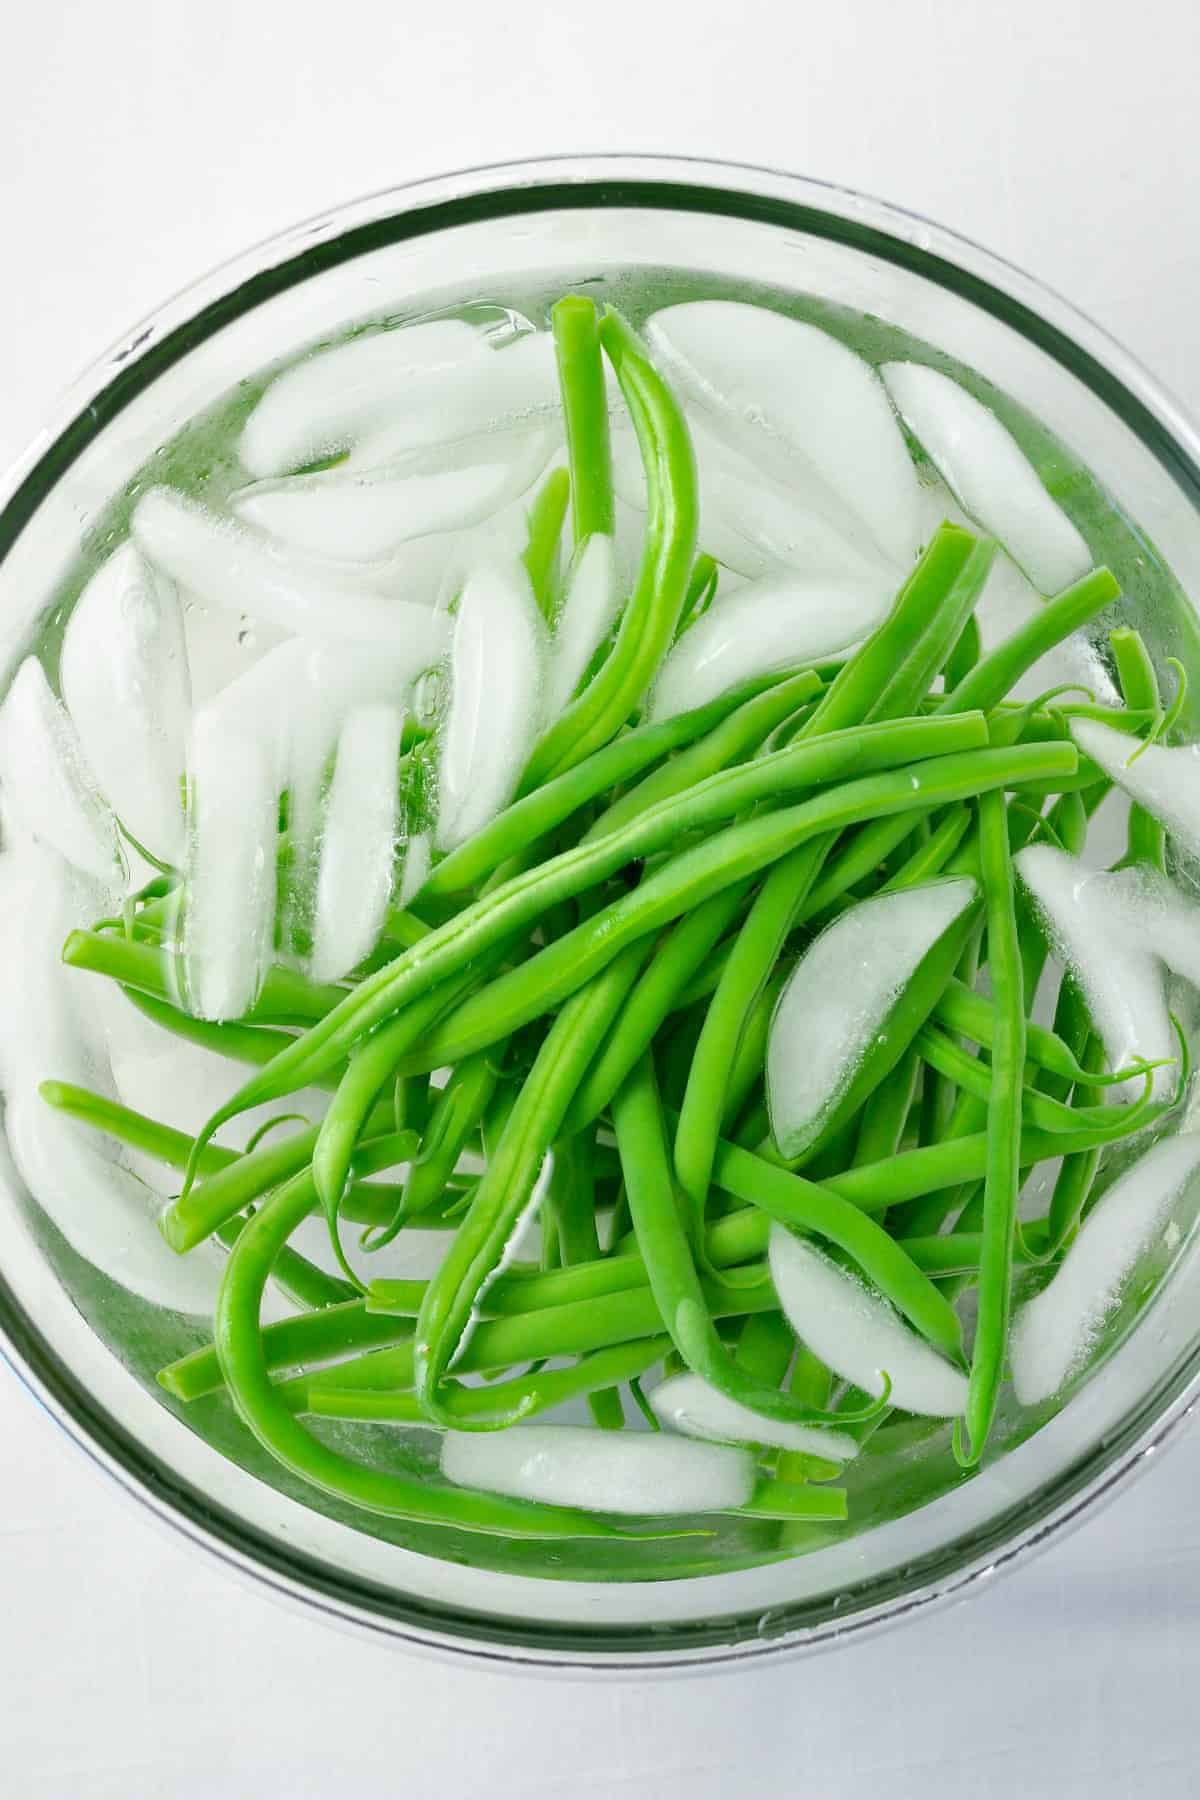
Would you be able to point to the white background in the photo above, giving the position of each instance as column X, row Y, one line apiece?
column 141, row 143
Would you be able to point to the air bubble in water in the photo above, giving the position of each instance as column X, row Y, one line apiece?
column 427, row 695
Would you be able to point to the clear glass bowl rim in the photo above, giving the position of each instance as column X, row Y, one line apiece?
column 576, row 182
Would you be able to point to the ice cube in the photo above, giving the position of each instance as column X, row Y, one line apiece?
column 364, row 515
column 1110, row 931
column 225, row 564
column 358, row 843
column 50, row 791
column 780, row 621
column 985, row 467
column 1054, row 1333
column 107, row 1215
column 397, row 390
column 77, row 1176
column 858, row 1334
column 495, row 674
column 689, row 1404
column 510, row 385
column 751, row 523
column 589, row 610
column 326, row 402
column 1165, row 780
column 229, row 907
column 790, row 394
column 839, row 996
column 604, row 1471
column 124, row 674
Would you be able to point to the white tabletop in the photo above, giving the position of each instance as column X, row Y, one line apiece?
column 139, row 144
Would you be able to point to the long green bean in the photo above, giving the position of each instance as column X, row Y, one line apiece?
column 1002, row 1179
column 649, row 619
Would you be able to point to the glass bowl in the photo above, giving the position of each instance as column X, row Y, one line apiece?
column 1092, row 418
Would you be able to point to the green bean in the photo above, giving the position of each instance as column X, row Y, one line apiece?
column 765, row 1346
column 679, row 883
column 874, row 1187
column 683, row 881
column 372, row 1064
column 961, row 1009
column 702, row 590
column 585, row 414
column 901, row 658
column 807, row 1206
column 577, row 1328
column 965, row 654
column 652, row 999
column 526, row 822
column 668, row 1254
column 255, row 1044
column 569, row 1210
column 392, row 1306
column 194, row 1216
column 794, row 1500
column 1077, row 1174
column 286, row 998
column 456, row 1116
column 1139, row 685
column 533, row 1394
column 1041, row 1109
column 176, row 1148
column 649, row 619
column 984, row 686
column 881, row 1126
column 545, row 523
column 1002, row 1179
column 751, row 1053
column 243, row 1365
column 741, row 733
column 505, row 1189
column 930, row 857
column 996, row 673
column 755, row 952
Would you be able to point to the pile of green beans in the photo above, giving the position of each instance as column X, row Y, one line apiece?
column 596, row 970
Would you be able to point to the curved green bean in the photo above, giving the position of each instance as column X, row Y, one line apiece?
column 239, row 1349
column 649, row 619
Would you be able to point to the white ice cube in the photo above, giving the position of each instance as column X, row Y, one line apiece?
column 78, row 1177
column 778, row 622
column 858, row 1334
column 1164, row 779
column 1053, row 1334
column 363, row 515
column 604, row 1471
column 225, row 564
column 839, row 996
column 792, row 394
column 689, row 1404
column 50, row 791
column 327, row 401
column 752, row 522
column 984, row 466
column 124, row 674
column 390, row 391
column 358, row 842
column 1113, row 931
column 233, row 833
column 589, row 610
column 495, row 675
